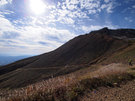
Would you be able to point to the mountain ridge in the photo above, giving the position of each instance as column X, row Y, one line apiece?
column 79, row 52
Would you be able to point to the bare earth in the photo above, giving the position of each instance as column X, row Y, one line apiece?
column 125, row 92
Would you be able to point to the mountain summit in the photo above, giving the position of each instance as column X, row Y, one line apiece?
column 128, row 33
column 77, row 53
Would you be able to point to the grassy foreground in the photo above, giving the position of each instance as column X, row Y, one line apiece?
column 71, row 87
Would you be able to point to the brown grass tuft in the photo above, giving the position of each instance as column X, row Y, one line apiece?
column 69, row 87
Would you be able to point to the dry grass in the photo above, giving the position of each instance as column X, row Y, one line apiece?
column 104, row 71
column 47, row 86
column 69, row 87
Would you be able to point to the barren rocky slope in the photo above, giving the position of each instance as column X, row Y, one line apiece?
column 125, row 92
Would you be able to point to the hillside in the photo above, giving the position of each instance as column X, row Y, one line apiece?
column 114, row 94
column 80, row 52
column 113, row 82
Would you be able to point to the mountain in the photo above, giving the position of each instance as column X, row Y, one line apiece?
column 4, row 60
column 80, row 52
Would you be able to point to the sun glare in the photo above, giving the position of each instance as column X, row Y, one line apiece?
column 37, row 6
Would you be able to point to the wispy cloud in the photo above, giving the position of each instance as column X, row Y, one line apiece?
column 5, row 24
column 32, row 37
column 133, row 6
column 129, row 19
column 63, row 20
column 87, row 29
column 79, row 9
column 4, row 2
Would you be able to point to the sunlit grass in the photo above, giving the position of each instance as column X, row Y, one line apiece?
column 69, row 87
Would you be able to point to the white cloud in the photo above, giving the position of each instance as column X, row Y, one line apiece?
column 38, row 33
column 128, row 1
column 6, row 12
column 68, row 20
column 4, row 2
column 130, row 9
column 106, row 1
column 30, row 36
column 108, row 7
column 69, row 11
column 90, row 4
column 133, row 6
column 129, row 19
column 90, row 28
column 5, row 25
column 87, row 29
column 81, row 8
column 36, row 36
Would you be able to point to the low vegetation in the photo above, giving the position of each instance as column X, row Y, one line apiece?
column 122, row 56
column 70, row 87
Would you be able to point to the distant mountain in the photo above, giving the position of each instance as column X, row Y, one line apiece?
column 4, row 60
column 80, row 52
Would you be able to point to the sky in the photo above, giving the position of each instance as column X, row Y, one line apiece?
column 32, row 27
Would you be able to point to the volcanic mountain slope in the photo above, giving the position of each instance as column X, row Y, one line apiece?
column 77, row 53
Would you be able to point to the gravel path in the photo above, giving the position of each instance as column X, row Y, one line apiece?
column 123, row 93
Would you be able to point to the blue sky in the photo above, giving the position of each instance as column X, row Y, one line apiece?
column 31, row 27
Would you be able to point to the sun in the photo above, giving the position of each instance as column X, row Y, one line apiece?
column 37, row 6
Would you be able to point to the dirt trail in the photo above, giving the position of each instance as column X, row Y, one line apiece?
column 125, row 92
